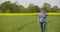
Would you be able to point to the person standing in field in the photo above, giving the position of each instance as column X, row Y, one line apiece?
column 42, row 19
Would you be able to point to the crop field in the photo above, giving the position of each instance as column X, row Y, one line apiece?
column 27, row 14
column 28, row 24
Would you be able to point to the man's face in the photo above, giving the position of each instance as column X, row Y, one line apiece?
column 42, row 10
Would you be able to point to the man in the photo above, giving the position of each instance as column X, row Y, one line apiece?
column 42, row 18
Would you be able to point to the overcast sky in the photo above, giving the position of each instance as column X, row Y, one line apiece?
column 25, row 3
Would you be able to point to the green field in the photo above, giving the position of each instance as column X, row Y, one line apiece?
column 28, row 24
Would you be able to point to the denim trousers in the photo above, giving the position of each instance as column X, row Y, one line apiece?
column 43, row 26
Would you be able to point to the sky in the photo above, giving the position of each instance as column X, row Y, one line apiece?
column 25, row 3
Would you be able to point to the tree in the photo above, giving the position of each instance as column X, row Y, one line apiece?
column 14, row 8
column 22, row 9
column 36, row 9
column 4, row 6
column 47, row 7
column 0, row 9
column 55, row 9
column 7, row 11
column 59, row 10
column 31, row 8
column 9, row 7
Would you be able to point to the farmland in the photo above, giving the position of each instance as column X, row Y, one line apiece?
column 28, row 24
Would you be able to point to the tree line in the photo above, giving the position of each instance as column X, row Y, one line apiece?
column 9, row 7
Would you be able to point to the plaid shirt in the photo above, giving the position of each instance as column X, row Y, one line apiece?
column 42, row 16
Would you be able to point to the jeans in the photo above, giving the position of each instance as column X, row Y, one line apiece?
column 43, row 25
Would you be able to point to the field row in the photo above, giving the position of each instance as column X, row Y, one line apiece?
column 27, row 14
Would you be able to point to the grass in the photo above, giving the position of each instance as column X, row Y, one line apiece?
column 28, row 24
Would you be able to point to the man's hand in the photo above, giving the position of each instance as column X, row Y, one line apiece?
column 46, row 16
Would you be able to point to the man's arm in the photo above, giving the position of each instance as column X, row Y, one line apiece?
column 38, row 20
column 45, row 15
